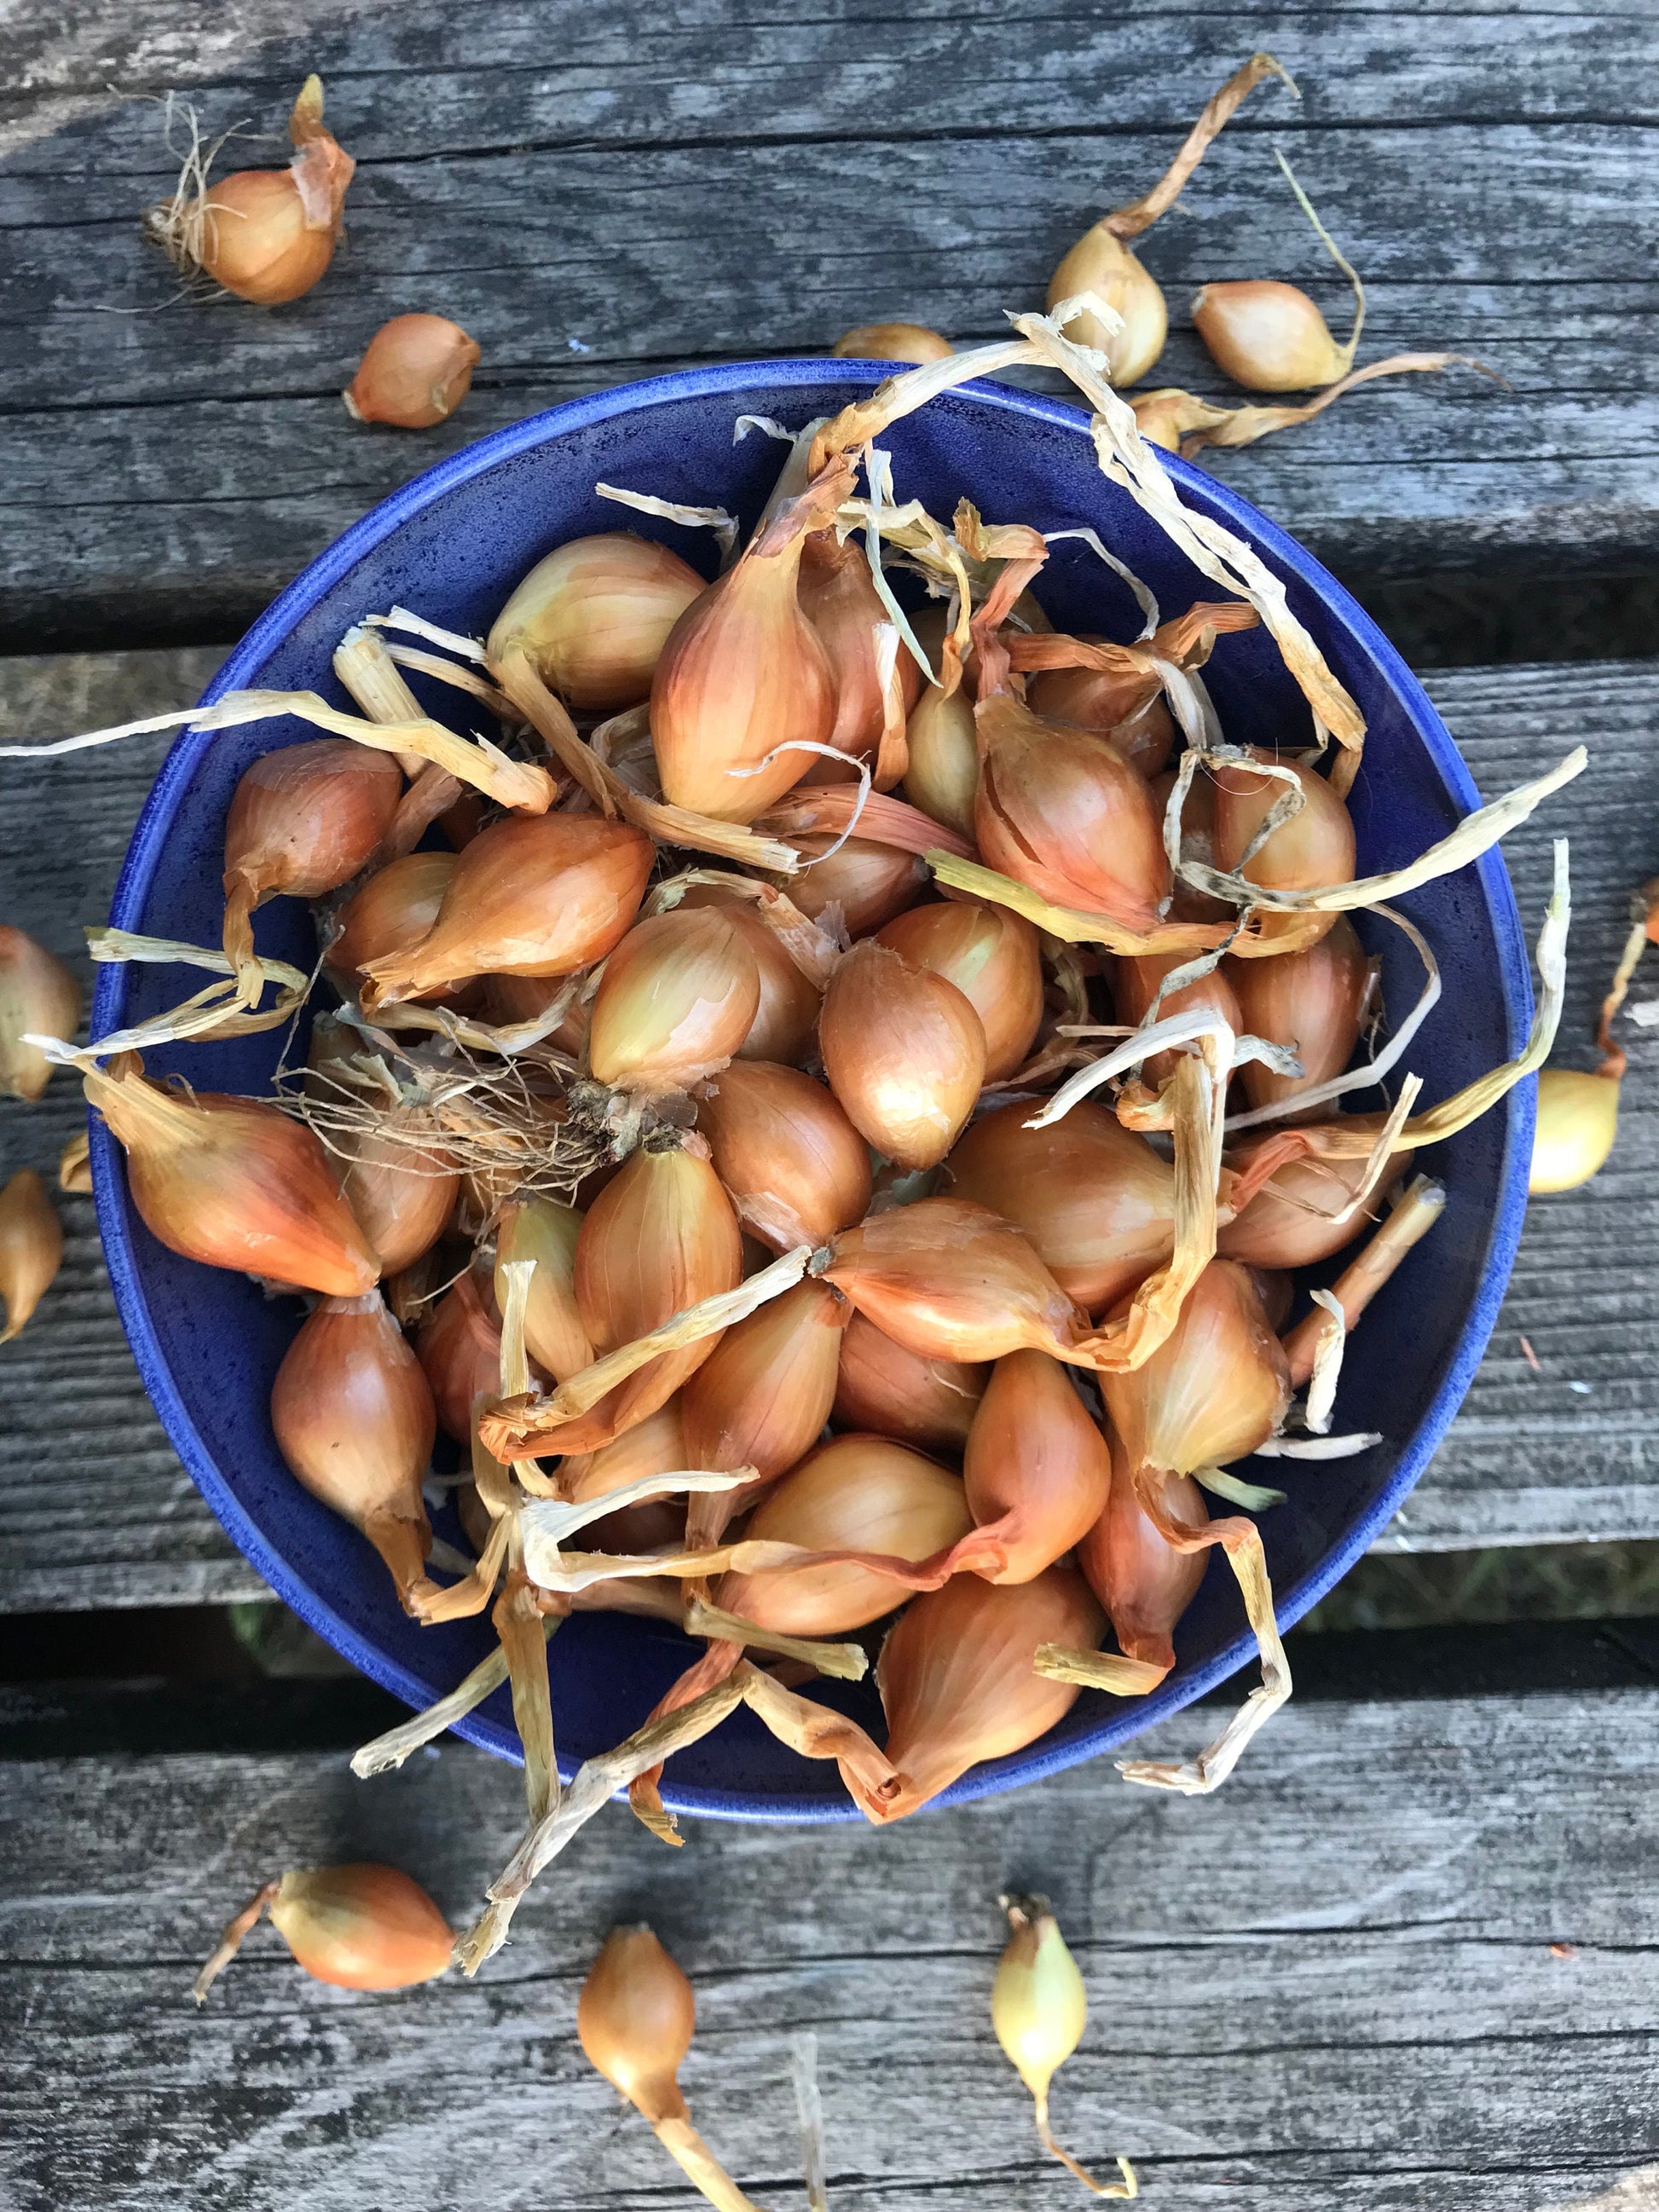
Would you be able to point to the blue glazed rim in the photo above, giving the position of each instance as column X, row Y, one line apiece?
column 144, row 855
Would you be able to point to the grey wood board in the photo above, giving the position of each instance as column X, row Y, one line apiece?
column 95, row 1509
column 1334, row 1984
column 596, row 204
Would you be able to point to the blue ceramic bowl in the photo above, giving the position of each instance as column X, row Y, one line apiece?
column 452, row 545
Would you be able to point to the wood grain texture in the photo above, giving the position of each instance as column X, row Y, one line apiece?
column 597, row 201
column 1334, row 1984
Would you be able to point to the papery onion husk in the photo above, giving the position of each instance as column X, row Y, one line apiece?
column 414, row 372
column 1316, row 847
column 459, row 1347
column 536, row 895
column 1036, row 1471
column 868, row 881
column 838, row 595
column 1095, row 1201
column 891, row 1392
column 591, row 617
column 941, row 774
column 1135, row 985
column 355, row 1420
column 545, row 1231
column 1290, row 1222
column 304, row 819
column 1062, row 810
column 1144, row 1583
column 1216, row 1388
column 233, row 1183
column 74, row 1166
column 792, row 1164
column 957, row 1681
column 786, row 1024
column 1314, row 1000
column 992, row 957
column 31, row 1249
column 762, row 1398
column 402, row 1193
column 679, row 996
column 511, row 999
column 892, row 342
column 393, row 911
column 904, row 1052
column 359, row 1927
column 39, row 997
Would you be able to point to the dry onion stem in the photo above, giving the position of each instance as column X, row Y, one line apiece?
column 1181, row 421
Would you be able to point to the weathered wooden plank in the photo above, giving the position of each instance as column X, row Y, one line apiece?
column 706, row 191
column 1353, row 1995
column 95, row 1510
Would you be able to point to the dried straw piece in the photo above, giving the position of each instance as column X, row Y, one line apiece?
column 469, row 649
column 1200, row 423
column 1415, row 1212
column 1071, row 924
column 215, row 1012
column 846, row 1662
column 1098, row 1670
column 716, row 518
column 1252, row 1496
column 1218, row 112
column 392, row 1749
column 880, row 820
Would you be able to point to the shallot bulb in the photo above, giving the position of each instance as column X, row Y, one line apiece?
column 1063, row 810
column 930, row 1403
column 354, row 1421
column 1315, row 847
column 1314, row 1001
column 785, row 1027
column 414, row 372
column 792, row 1164
column 904, row 1052
column 31, row 1249
column 532, row 895
column 233, row 1183
column 911, row 341
column 460, row 1352
column 1578, row 1121
column 1039, row 2010
column 1102, row 264
column 1095, row 1201
column 1036, row 1470
column 868, row 881
column 991, row 955
column 941, row 776
column 265, row 235
column 948, row 1280
column 543, row 1231
column 394, row 911
column 1144, row 1582
column 357, row 1927
column 39, row 997
column 838, row 595
column 957, row 1680
column 679, row 996
column 762, row 1398
column 1115, row 706
column 1268, row 336
column 402, row 1191
column 1290, row 1222
column 1135, row 982
column 1215, row 1388
column 304, row 820
column 591, row 618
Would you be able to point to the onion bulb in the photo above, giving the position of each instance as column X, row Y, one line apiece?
column 957, row 1680
column 1102, row 264
column 792, row 1164
column 1289, row 1223
column 233, row 1183
column 1144, row 1582
column 679, row 996
column 593, row 616
column 785, row 1027
column 532, row 895
column 839, row 596
column 543, row 1231
column 414, row 372
column 393, row 911
column 1095, row 1201
column 1314, row 1000
column 991, row 955
column 461, row 1352
column 1115, row 706
column 948, row 1280
column 31, row 1249
column 357, row 1927
column 904, row 1052
column 1036, row 1470
column 39, row 997
column 1268, row 336
column 304, row 820
column 655, row 1445
column 1215, row 1388
column 1039, row 2010
column 869, row 883
column 1135, row 982
column 941, row 776
column 912, row 342
column 1315, row 847
column 762, row 1398
column 1578, row 1121
column 402, row 1192
column 354, row 1421
column 891, row 1392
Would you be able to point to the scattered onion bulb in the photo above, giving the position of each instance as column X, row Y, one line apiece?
column 942, row 774
column 357, row 1927
column 1036, row 1470
column 1314, row 1001
column 948, row 1280
column 957, row 1680
column 1215, row 1388
column 912, row 342
column 31, row 1248
column 992, row 956
column 792, row 1164
column 233, row 1183
column 1116, row 708
column 402, row 1192
column 304, row 819
column 1039, row 2010
column 869, row 883
column 786, row 1024
column 265, row 235
column 1094, row 1200
column 543, row 1231
column 1578, row 1121
column 1269, row 336
column 354, row 1420
column 460, row 1352
column 679, row 996
column 1102, row 264
column 392, row 911
column 1144, row 1582
column 39, row 997
column 1316, row 846
column 1290, row 1225
column 532, row 895
column 904, row 1052
column 416, row 370
column 591, row 618
column 762, row 1398
column 883, row 1387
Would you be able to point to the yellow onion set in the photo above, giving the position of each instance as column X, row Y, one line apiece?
column 833, row 1204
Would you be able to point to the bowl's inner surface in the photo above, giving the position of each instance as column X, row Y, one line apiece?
column 209, row 1343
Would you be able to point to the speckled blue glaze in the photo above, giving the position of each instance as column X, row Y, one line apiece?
column 452, row 543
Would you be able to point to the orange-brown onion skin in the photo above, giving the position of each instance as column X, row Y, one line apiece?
column 1144, row 1583
column 786, row 1025
column 950, row 1280
column 1277, row 1292
column 39, row 997
column 401, row 1193
column 1037, row 1463
column 792, row 1164
column 635, row 2020
column 531, row 894
column 891, row 1392
column 255, row 239
column 394, row 909
column 762, row 1398
column 1268, row 335
column 306, row 818
column 512, row 998
column 992, row 957
column 854, row 1493
column 416, row 370
column 1313, row 1000
column 362, row 1927
column 1197, row 843
column 956, row 1679
column 1316, row 847
column 904, row 1052
column 1134, row 986
column 1287, row 1225
column 1095, row 1201
column 460, row 1351
column 912, row 342
column 869, row 883
column 942, row 778
column 839, row 597
column 1113, row 707
column 655, row 1445
column 679, row 996
column 545, row 1233
column 595, row 615
column 1216, row 1388
column 1062, row 810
